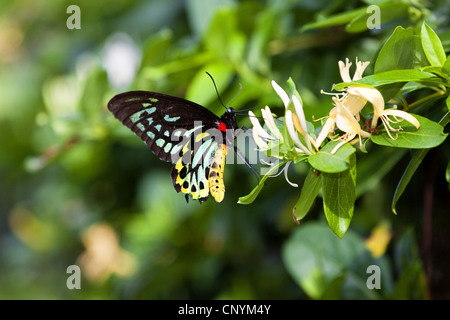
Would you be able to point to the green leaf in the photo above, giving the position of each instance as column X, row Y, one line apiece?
column 390, row 10
column 310, row 189
column 447, row 102
column 324, row 161
column 248, row 199
column 397, row 52
column 339, row 197
column 446, row 66
column 335, row 20
column 439, row 71
column 418, row 156
column 315, row 258
column 416, row 160
column 432, row 46
column 293, row 92
column 429, row 135
column 390, row 77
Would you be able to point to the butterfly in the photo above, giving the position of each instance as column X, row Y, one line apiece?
column 183, row 133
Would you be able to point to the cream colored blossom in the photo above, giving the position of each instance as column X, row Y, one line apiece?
column 261, row 136
column 397, row 116
column 295, row 123
column 347, row 123
column 344, row 69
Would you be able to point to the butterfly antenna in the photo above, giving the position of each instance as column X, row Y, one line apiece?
column 215, row 87
column 240, row 88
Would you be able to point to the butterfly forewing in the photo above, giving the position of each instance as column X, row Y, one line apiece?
column 157, row 117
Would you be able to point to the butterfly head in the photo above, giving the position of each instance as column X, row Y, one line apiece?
column 228, row 119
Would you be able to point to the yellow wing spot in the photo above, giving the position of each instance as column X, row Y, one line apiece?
column 216, row 185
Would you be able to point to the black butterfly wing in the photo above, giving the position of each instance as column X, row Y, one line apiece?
column 176, row 130
column 160, row 120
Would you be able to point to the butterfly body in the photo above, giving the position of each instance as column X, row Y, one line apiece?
column 183, row 133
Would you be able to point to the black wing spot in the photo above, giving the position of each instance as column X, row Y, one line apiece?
column 185, row 185
column 183, row 173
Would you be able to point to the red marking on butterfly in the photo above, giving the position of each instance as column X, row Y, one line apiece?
column 222, row 127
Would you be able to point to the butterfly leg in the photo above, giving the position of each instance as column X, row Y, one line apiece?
column 247, row 163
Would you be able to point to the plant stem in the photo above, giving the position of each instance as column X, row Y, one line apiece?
column 420, row 101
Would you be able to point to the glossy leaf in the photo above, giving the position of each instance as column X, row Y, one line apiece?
column 335, row 20
column 416, row 160
column 432, row 46
column 339, row 195
column 397, row 52
column 310, row 190
column 248, row 199
column 391, row 77
column 429, row 135
column 390, row 10
column 324, row 161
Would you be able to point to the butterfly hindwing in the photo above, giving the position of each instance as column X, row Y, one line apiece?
column 191, row 177
column 177, row 131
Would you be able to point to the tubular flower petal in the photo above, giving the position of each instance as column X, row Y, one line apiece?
column 366, row 94
column 283, row 95
column 290, row 127
column 344, row 69
column 354, row 104
column 360, row 67
column 328, row 127
column 286, row 175
column 295, row 123
column 347, row 123
column 259, row 134
column 270, row 122
column 398, row 116
column 301, row 118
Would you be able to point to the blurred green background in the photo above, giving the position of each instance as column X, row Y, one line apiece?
column 78, row 188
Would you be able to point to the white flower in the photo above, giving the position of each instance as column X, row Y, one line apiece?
column 295, row 123
column 354, row 99
column 347, row 123
column 328, row 127
column 261, row 136
column 290, row 117
column 357, row 97
column 398, row 116
column 344, row 69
